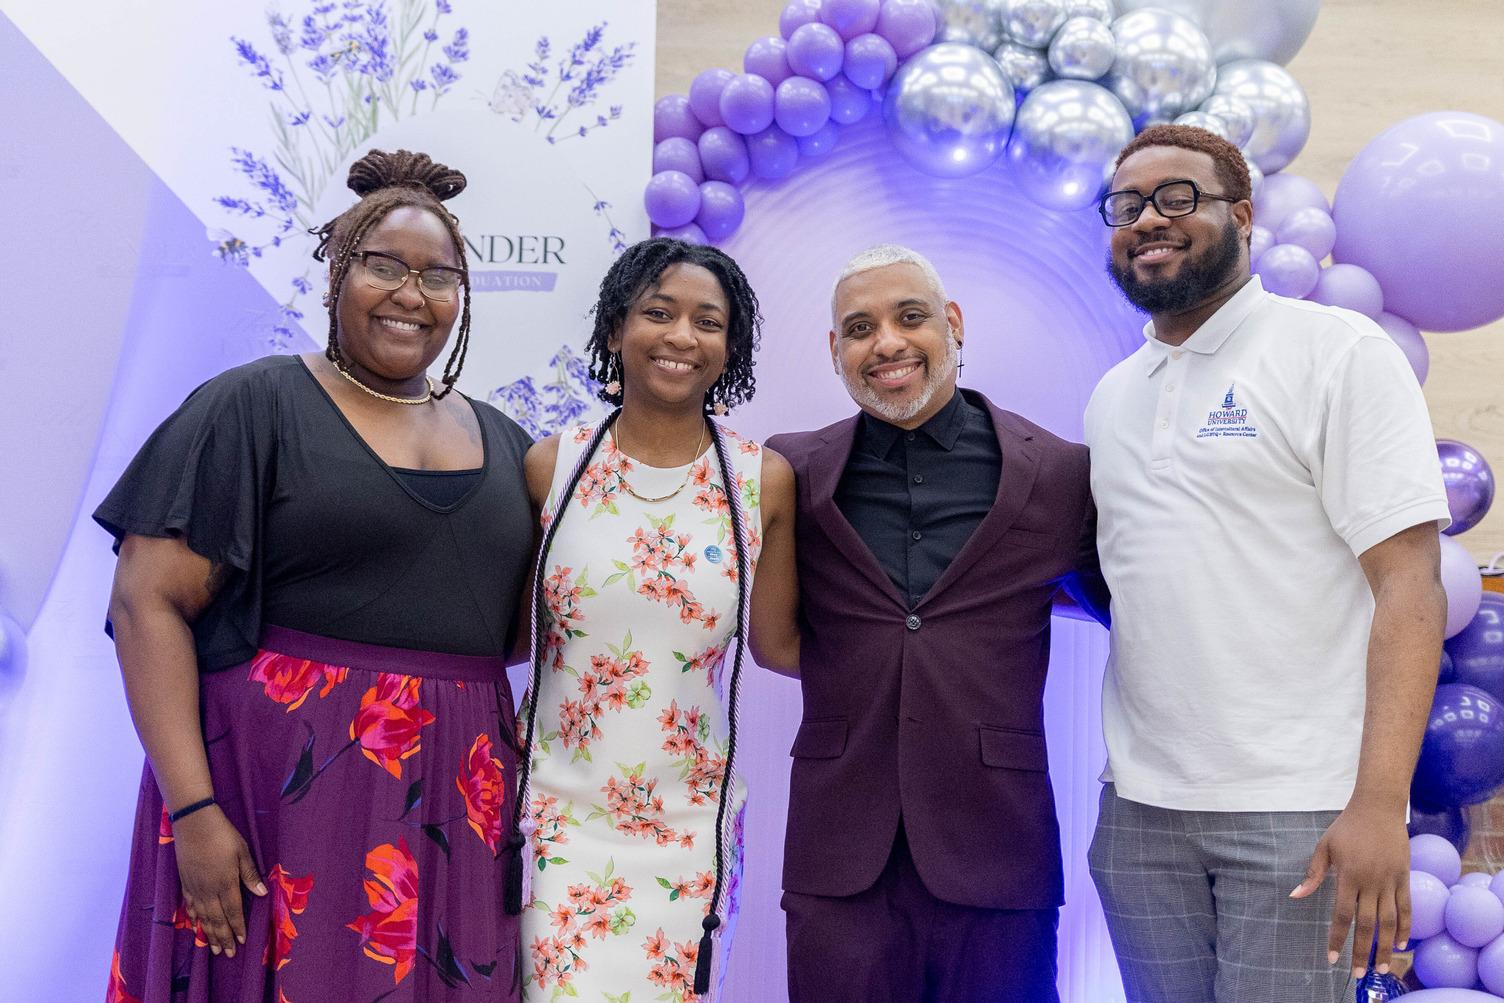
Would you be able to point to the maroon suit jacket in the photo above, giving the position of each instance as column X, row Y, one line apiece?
column 934, row 712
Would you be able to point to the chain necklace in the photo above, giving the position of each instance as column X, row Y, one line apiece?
column 427, row 396
column 616, row 441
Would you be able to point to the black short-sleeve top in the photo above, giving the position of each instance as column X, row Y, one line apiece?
column 261, row 473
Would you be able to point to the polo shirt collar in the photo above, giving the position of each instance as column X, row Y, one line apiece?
column 944, row 428
column 1214, row 331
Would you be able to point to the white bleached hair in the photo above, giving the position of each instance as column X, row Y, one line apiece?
column 880, row 257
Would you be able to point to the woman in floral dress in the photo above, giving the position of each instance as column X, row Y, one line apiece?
column 319, row 563
column 667, row 539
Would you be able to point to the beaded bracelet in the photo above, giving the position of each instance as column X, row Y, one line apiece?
column 187, row 810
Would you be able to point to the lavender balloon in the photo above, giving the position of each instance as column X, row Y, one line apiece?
column 1288, row 270
column 773, row 153
column 1449, row 996
column 724, row 154
column 690, row 233
column 1348, row 286
column 1408, row 337
column 1469, row 481
column 816, row 51
column 1310, row 228
column 721, row 210
column 705, row 95
column 1463, row 584
column 672, row 117
column 1260, row 239
column 850, row 18
column 848, row 102
column 820, row 142
column 1475, row 915
column 672, row 198
column 870, row 61
column 747, row 104
column 1428, row 905
column 908, row 25
column 1497, row 885
column 1491, row 967
column 1281, row 195
column 678, row 154
column 1435, row 856
column 801, row 106
column 797, row 14
column 1442, row 962
column 1475, row 879
column 768, row 58
column 1422, row 208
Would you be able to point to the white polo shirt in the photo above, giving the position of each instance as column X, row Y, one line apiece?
column 1237, row 479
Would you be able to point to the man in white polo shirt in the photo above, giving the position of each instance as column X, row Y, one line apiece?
column 1268, row 496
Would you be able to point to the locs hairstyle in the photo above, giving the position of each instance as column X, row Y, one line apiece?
column 385, row 181
column 637, row 270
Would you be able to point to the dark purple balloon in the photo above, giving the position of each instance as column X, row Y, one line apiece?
column 773, row 153
column 820, row 143
column 1448, row 823
column 672, row 198
column 672, row 116
column 690, row 233
column 870, row 61
column 678, row 154
column 724, row 154
column 801, row 106
column 1447, row 671
column 797, row 14
column 1469, row 481
column 908, row 25
column 850, row 18
column 816, row 51
column 768, row 58
column 721, row 210
column 747, row 103
column 1478, row 651
column 848, row 102
column 705, row 95
column 1462, row 755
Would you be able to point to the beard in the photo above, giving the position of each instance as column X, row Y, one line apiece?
column 1197, row 279
column 893, row 412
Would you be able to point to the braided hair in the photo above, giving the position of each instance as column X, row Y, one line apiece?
column 636, row 272
column 386, row 181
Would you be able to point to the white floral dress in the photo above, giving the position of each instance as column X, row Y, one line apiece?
column 630, row 743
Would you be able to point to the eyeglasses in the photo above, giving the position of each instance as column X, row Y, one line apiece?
column 1171, row 199
column 385, row 271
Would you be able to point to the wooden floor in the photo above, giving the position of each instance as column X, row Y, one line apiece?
column 1367, row 65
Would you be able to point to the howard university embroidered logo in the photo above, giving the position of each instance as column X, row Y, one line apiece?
column 1229, row 421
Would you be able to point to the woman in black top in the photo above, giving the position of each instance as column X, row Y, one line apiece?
column 320, row 559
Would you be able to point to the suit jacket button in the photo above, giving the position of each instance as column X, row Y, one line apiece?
column 912, row 622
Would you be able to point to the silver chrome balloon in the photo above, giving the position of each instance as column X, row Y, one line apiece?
column 1235, row 113
column 949, row 109
column 1281, row 112
column 973, row 22
column 1202, row 120
column 1099, row 10
column 1032, row 22
column 1026, row 67
column 1164, row 65
column 1083, row 49
column 1245, row 29
column 1255, row 176
column 1065, row 139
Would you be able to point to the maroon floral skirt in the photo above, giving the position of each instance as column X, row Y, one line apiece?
column 374, row 786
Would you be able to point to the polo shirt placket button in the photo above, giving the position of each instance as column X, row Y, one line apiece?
column 912, row 622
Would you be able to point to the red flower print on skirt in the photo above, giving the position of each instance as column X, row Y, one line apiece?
column 289, row 899
column 484, row 789
column 389, row 932
column 164, row 829
column 386, row 726
column 182, row 921
column 115, row 992
column 289, row 680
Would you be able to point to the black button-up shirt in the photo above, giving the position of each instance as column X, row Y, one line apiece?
column 916, row 497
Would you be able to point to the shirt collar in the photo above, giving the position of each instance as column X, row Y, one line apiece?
column 944, row 427
column 1214, row 331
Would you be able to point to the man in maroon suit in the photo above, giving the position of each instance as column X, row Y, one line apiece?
column 922, row 860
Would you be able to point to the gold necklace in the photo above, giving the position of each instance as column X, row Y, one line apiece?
column 388, row 397
column 616, row 440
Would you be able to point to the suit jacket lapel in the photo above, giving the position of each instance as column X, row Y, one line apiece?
column 827, row 463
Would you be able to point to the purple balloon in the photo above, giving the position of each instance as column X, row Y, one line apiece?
column 1347, row 286
column 816, row 51
column 1311, row 228
column 1496, row 885
column 705, row 95
column 724, row 154
column 870, row 61
column 908, row 25
column 1281, row 195
column 1428, row 905
column 1288, row 270
column 672, row 198
column 848, row 102
column 721, row 210
column 1463, row 584
column 796, row 15
column 690, row 233
column 773, row 153
column 1461, row 756
column 1408, row 337
column 1491, row 967
column 1422, row 208
column 747, row 103
column 850, row 18
column 1476, row 879
column 1449, row 823
column 1435, row 856
column 678, row 154
column 672, row 117
column 1447, row 673
column 1450, row 996
column 1478, row 651
column 1441, row 962
column 1260, row 239
column 820, row 142
column 1469, row 481
column 768, row 58
column 801, row 106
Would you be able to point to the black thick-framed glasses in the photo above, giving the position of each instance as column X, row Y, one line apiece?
column 1171, row 199
column 389, row 272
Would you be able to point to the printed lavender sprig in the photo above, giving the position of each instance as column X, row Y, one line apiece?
column 569, row 397
column 551, row 91
column 602, row 208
